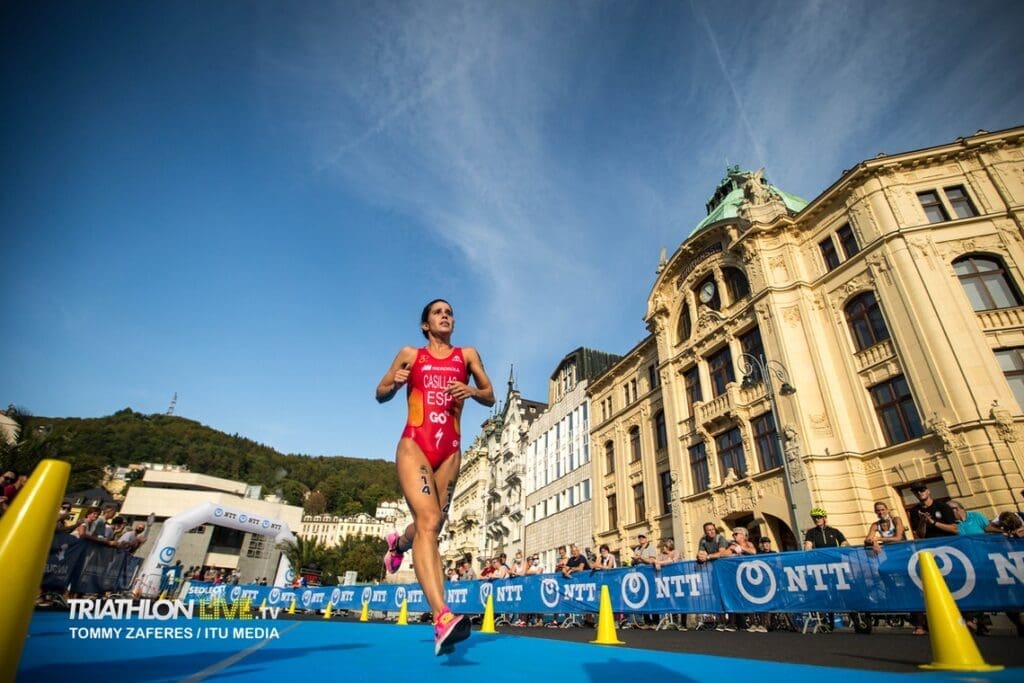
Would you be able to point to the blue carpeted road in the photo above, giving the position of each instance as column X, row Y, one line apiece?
column 211, row 650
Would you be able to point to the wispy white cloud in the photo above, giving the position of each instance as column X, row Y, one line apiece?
column 454, row 118
column 828, row 84
column 453, row 115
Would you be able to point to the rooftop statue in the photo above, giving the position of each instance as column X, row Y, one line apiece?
column 755, row 188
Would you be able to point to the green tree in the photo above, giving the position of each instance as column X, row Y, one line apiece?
column 305, row 553
column 362, row 554
column 38, row 441
column 293, row 492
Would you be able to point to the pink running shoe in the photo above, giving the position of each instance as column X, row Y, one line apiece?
column 449, row 628
column 393, row 558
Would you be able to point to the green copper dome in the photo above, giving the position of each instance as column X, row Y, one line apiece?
column 726, row 200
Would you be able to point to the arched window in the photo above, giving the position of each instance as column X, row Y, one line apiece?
column 634, row 444
column 685, row 323
column 865, row 319
column 986, row 282
column 737, row 284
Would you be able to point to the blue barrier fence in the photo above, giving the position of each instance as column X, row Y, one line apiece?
column 984, row 573
column 86, row 566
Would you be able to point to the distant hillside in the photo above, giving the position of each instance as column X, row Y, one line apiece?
column 348, row 485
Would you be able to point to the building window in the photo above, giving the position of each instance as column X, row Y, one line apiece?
column 257, row 549
column 639, row 505
column 660, row 433
column 737, row 284
column 766, row 442
column 653, row 379
column 847, row 240
column 896, row 410
column 1011, row 362
column 685, row 323
column 699, row 467
column 934, row 211
column 613, row 512
column 960, row 202
column 986, row 283
column 750, row 343
column 225, row 540
column 730, row 452
column 828, row 252
column 720, row 369
column 864, row 317
column 632, row 384
column 691, row 378
column 665, row 479
column 609, row 457
column 634, row 444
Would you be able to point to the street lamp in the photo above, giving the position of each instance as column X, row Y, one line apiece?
column 757, row 369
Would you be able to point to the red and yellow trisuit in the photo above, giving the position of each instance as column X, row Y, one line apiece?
column 433, row 422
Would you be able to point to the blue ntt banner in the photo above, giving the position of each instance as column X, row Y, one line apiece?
column 984, row 573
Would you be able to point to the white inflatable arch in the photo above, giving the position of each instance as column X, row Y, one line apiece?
column 166, row 546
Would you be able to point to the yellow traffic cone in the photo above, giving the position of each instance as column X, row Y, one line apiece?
column 163, row 595
column 263, row 606
column 327, row 612
column 365, row 614
column 291, row 607
column 488, row 625
column 26, row 530
column 953, row 648
column 606, row 621
column 403, row 614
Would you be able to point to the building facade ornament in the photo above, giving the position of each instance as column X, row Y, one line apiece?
column 820, row 423
column 1004, row 422
column 794, row 463
column 940, row 427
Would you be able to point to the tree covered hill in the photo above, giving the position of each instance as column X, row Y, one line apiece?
column 346, row 485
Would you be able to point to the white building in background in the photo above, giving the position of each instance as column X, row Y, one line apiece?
column 487, row 513
column 463, row 534
column 168, row 492
column 557, row 482
column 332, row 530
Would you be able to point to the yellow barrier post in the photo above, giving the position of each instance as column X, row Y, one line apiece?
column 953, row 648
column 365, row 614
column 291, row 607
column 26, row 530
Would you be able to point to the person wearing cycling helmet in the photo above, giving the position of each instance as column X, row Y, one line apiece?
column 821, row 535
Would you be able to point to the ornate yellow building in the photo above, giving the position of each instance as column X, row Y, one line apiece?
column 826, row 353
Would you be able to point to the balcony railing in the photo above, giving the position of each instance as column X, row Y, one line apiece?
column 1001, row 318
column 873, row 355
column 719, row 407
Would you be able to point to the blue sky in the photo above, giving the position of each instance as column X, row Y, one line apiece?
column 248, row 203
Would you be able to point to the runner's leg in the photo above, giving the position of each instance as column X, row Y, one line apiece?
column 420, row 485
